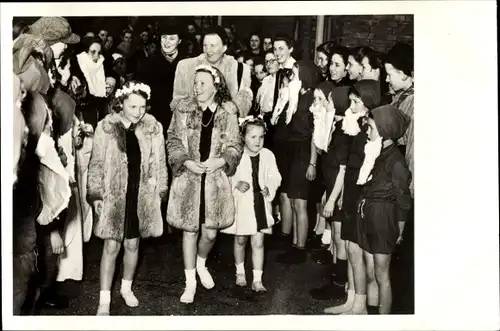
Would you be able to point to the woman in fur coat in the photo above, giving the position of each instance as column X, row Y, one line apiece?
column 204, row 149
column 127, row 182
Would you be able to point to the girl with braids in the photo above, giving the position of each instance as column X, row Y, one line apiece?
column 127, row 181
column 254, row 187
column 204, row 149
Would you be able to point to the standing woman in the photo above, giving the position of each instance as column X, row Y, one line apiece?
column 127, row 182
column 204, row 149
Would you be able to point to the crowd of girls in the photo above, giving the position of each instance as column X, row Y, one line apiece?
column 213, row 145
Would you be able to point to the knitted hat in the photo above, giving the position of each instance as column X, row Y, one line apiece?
column 369, row 92
column 390, row 121
column 400, row 56
column 53, row 30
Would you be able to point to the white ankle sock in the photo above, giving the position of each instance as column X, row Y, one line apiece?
column 104, row 297
column 126, row 286
column 190, row 276
column 240, row 268
column 326, row 238
column 200, row 262
column 257, row 275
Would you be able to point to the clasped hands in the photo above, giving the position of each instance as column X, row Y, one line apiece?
column 208, row 166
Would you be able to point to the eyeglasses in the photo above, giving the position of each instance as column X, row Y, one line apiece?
column 270, row 61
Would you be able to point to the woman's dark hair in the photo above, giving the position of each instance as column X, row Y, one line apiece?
column 89, row 41
column 222, row 93
column 217, row 30
column 19, row 28
column 342, row 51
column 326, row 48
column 375, row 60
column 285, row 38
column 256, row 121
column 117, row 103
column 259, row 60
column 359, row 53
column 309, row 73
column 124, row 32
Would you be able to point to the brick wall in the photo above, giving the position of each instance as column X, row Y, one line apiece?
column 380, row 32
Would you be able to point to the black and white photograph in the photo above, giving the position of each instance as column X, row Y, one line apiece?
column 231, row 165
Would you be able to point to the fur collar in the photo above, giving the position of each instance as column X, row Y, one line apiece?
column 148, row 124
column 189, row 105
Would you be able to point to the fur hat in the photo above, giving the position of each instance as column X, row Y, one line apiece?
column 54, row 30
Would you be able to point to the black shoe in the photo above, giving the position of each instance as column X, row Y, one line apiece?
column 330, row 291
column 54, row 301
column 315, row 243
column 293, row 256
column 280, row 241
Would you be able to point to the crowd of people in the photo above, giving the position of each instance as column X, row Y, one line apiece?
column 208, row 134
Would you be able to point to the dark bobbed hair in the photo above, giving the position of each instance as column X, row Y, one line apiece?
column 89, row 41
column 282, row 37
column 342, row 51
column 359, row 53
column 217, row 30
column 401, row 57
column 222, row 93
column 259, row 60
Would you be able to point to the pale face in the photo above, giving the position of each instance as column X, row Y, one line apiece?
column 255, row 42
column 272, row 64
column 282, row 51
column 204, row 88
column 110, row 85
column 372, row 131
column 191, row 29
column 395, row 77
column 354, row 68
column 368, row 71
column 357, row 105
column 170, row 43
column 58, row 49
column 260, row 72
column 103, row 34
column 95, row 51
column 268, row 44
column 127, row 37
column 322, row 62
column 134, row 108
column 213, row 48
column 254, row 138
column 337, row 68
column 145, row 37
column 319, row 97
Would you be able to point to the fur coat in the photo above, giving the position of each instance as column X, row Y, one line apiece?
column 183, row 143
column 245, row 222
column 108, row 173
column 184, row 78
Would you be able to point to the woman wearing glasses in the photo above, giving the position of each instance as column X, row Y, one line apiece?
column 268, row 92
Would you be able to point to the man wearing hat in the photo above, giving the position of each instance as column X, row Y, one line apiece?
column 237, row 76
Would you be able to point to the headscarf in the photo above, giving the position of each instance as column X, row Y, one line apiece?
column 390, row 121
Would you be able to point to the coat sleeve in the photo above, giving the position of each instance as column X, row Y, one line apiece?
column 401, row 178
column 181, row 88
column 244, row 97
column 96, row 165
column 176, row 152
column 162, row 166
column 233, row 148
column 273, row 176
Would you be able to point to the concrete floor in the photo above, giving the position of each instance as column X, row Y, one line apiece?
column 159, row 283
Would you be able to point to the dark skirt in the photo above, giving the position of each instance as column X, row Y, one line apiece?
column 131, row 228
column 352, row 191
column 299, row 155
column 329, row 177
column 317, row 186
column 377, row 226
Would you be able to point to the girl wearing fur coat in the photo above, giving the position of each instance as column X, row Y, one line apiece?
column 204, row 149
column 127, row 182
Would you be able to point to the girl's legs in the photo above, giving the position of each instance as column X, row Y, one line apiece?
column 286, row 214
column 130, row 258
column 300, row 207
column 359, row 277
column 341, row 255
column 347, row 306
column 372, row 294
column 382, row 264
column 189, row 249
column 205, row 245
column 108, row 261
column 240, row 243
column 257, row 242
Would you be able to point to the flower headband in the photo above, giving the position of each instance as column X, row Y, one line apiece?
column 133, row 87
column 211, row 70
column 252, row 119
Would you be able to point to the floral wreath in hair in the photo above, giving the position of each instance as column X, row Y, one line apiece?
column 211, row 70
column 133, row 87
column 259, row 120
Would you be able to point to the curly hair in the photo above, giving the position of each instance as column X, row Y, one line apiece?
column 222, row 93
column 256, row 121
column 117, row 103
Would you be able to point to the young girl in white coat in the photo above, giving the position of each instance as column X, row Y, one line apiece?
column 254, row 187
